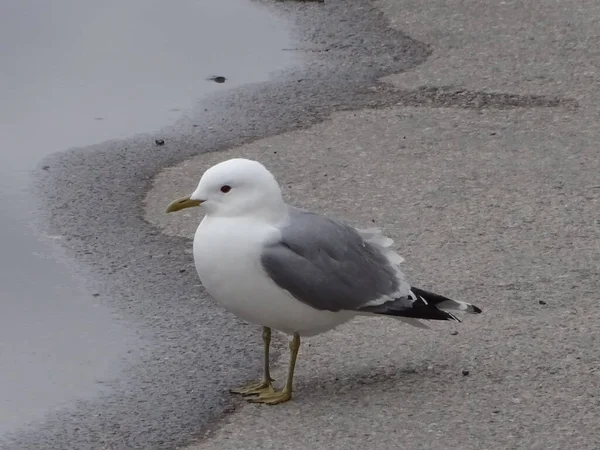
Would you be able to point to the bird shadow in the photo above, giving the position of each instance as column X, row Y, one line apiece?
column 359, row 381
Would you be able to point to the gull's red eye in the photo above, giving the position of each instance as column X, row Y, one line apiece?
column 225, row 189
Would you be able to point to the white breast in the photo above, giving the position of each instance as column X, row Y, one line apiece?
column 227, row 258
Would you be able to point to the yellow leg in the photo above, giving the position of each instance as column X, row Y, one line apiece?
column 263, row 386
column 274, row 398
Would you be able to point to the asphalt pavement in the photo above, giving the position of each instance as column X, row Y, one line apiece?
column 485, row 170
column 479, row 157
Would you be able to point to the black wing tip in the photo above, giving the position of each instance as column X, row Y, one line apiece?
column 415, row 314
column 419, row 309
column 437, row 299
column 476, row 310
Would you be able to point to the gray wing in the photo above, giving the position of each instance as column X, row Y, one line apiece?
column 328, row 265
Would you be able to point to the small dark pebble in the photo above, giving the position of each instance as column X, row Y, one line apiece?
column 181, row 270
column 542, row 302
column 218, row 79
column 492, row 134
column 454, row 333
column 496, row 411
column 46, row 168
column 95, row 294
column 465, row 372
column 159, row 142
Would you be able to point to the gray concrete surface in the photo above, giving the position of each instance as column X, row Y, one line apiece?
column 489, row 203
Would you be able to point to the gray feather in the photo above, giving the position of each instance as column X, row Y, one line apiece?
column 327, row 264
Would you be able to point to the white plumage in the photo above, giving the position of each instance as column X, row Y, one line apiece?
column 292, row 270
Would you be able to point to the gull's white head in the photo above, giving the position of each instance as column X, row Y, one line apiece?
column 233, row 188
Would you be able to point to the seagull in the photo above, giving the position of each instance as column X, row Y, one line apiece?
column 293, row 270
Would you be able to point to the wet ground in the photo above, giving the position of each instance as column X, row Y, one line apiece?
column 76, row 74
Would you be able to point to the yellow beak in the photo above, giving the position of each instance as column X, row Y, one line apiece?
column 182, row 203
